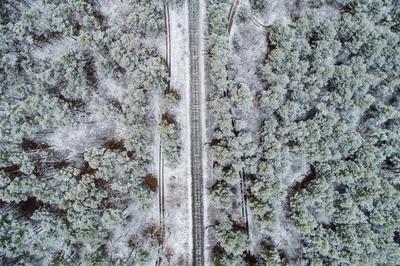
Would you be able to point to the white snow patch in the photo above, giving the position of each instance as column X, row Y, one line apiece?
column 113, row 88
column 55, row 50
column 286, row 238
column 329, row 11
column 177, row 181
column 295, row 172
column 158, row 42
column 138, row 220
column 321, row 218
column 180, row 48
column 109, row 8
column 76, row 140
column 276, row 10
column 177, row 244
column 177, row 218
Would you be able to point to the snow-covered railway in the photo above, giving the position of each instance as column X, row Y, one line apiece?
column 196, row 135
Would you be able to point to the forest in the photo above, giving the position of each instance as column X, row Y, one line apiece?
column 79, row 80
column 302, row 132
column 311, row 175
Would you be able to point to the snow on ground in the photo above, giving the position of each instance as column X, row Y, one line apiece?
column 155, row 106
column 75, row 140
column 285, row 236
column 109, row 8
column 55, row 50
column 138, row 220
column 95, row 133
column 329, row 11
column 276, row 10
column 321, row 218
column 113, row 88
column 295, row 171
column 158, row 42
column 248, row 42
column 177, row 245
column 252, row 41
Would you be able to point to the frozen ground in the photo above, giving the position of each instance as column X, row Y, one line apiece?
column 295, row 172
column 138, row 221
column 56, row 49
column 177, row 244
column 113, row 88
column 109, row 7
column 248, row 42
column 76, row 140
column 276, row 10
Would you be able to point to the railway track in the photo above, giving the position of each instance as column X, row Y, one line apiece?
column 196, row 134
